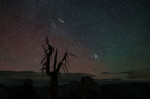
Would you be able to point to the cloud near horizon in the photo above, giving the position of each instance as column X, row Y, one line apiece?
column 136, row 74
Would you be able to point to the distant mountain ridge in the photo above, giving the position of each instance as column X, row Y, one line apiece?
column 18, row 77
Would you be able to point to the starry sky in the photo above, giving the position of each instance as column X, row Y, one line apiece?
column 109, row 37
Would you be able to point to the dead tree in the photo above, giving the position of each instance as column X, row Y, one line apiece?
column 52, row 70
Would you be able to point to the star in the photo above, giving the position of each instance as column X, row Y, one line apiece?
column 95, row 56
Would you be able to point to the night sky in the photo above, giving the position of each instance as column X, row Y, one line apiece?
column 107, row 36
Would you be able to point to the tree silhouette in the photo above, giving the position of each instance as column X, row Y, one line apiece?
column 52, row 70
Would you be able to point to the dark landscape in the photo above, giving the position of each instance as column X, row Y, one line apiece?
column 132, row 90
column 71, row 88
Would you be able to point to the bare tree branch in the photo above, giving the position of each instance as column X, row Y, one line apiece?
column 60, row 63
column 46, row 62
column 55, row 61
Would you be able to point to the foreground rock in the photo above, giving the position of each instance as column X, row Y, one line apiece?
column 3, row 94
column 90, row 89
column 86, row 89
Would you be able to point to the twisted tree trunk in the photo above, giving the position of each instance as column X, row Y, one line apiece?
column 53, row 88
column 53, row 74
